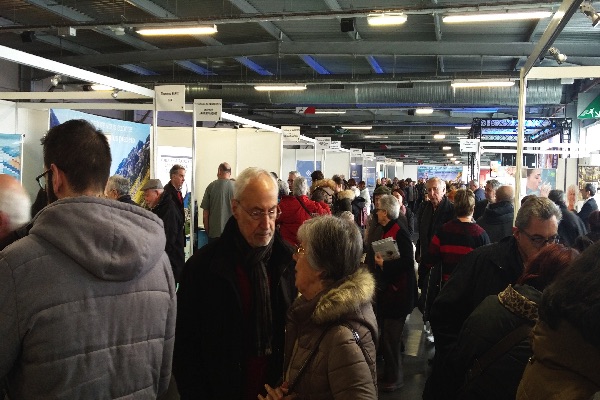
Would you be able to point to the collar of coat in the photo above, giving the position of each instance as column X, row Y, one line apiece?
column 346, row 194
column 518, row 304
column 323, row 183
column 344, row 298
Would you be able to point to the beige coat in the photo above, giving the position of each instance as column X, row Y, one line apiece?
column 339, row 369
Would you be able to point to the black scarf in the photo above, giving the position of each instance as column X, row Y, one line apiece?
column 254, row 261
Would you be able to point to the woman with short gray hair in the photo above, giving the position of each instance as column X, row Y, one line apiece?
column 397, row 292
column 297, row 208
column 331, row 328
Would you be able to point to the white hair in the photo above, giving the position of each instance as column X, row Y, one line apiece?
column 16, row 204
column 248, row 175
column 300, row 187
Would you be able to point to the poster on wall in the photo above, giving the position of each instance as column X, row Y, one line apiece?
column 445, row 173
column 586, row 174
column 10, row 155
column 169, row 156
column 371, row 176
column 538, row 181
column 129, row 146
column 356, row 172
column 306, row 168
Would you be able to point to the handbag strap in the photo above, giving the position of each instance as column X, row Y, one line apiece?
column 304, row 206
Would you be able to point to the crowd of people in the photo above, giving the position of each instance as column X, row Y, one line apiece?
column 302, row 291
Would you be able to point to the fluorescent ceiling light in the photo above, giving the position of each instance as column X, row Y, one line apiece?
column 384, row 19
column 279, row 88
column 479, row 83
column 424, row 111
column 330, row 111
column 446, row 148
column 375, row 137
column 456, row 162
column 449, row 154
column 97, row 87
column 245, row 121
column 357, row 127
column 453, row 159
column 462, row 137
column 462, row 127
column 439, row 136
column 488, row 17
column 181, row 30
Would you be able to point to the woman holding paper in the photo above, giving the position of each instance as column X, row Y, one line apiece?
column 397, row 291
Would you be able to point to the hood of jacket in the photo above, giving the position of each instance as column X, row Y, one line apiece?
column 503, row 210
column 343, row 299
column 323, row 183
column 113, row 241
column 346, row 194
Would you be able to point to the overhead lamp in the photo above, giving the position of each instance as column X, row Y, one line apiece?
column 386, row 19
column 588, row 9
column 115, row 94
column 557, row 55
column 491, row 17
column 375, row 137
column 462, row 127
column 330, row 111
column 439, row 136
column 97, row 87
column 446, row 148
column 358, row 127
column 278, row 88
column 481, row 83
column 55, row 80
column 462, row 137
column 449, row 154
column 456, row 162
column 424, row 111
column 453, row 159
column 179, row 30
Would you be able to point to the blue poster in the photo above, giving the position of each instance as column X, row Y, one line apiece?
column 129, row 146
column 10, row 155
column 445, row 173
column 306, row 168
column 371, row 177
column 356, row 172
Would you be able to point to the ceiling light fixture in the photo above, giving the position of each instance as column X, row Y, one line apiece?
column 446, row 148
column 480, row 83
column 456, row 162
column 462, row 127
column 386, row 19
column 557, row 55
column 178, row 30
column 330, row 111
column 439, row 136
column 358, row 127
column 55, row 80
column 449, row 154
column 279, row 88
column 115, row 94
column 424, row 111
column 97, row 87
column 453, row 159
column 588, row 9
column 462, row 137
column 375, row 137
column 490, row 17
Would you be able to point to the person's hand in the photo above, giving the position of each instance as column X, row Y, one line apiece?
column 280, row 393
column 545, row 189
column 379, row 260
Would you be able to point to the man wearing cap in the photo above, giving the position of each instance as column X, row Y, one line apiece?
column 216, row 203
column 161, row 204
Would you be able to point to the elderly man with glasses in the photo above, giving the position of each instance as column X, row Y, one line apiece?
column 233, row 299
column 487, row 271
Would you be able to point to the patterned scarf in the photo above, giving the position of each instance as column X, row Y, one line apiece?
column 254, row 261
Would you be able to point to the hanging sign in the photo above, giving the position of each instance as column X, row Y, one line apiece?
column 170, row 97
column 469, row 145
column 323, row 143
column 291, row 133
column 355, row 152
column 208, row 109
column 380, row 158
column 335, row 145
column 368, row 154
column 592, row 111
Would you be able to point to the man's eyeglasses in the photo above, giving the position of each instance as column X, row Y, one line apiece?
column 255, row 214
column 42, row 180
column 539, row 241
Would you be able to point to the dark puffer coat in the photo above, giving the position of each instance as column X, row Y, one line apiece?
column 497, row 220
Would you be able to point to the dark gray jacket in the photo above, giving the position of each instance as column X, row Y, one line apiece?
column 497, row 220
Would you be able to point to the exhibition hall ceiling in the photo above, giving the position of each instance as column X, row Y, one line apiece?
column 361, row 74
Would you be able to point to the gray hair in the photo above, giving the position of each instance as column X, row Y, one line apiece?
column 119, row 183
column 248, row 175
column 391, row 205
column 333, row 246
column 538, row 207
column 16, row 204
column 283, row 187
column 494, row 183
column 300, row 186
column 295, row 174
column 557, row 196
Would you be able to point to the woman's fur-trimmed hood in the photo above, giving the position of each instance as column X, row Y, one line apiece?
column 346, row 194
column 350, row 295
column 323, row 183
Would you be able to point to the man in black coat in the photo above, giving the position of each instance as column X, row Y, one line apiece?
column 233, row 299
column 570, row 226
column 173, row 188
column 590, row 205
column 477, row 191
column 161, row 204
column 491, row 186
column 497, row 219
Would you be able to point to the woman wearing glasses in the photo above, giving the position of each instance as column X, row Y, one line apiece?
column 331, row 328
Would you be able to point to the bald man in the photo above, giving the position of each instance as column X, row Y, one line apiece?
column 497, row 218
column 216, row 203
column 15, row 206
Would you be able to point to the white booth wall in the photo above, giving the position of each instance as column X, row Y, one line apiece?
column 290, row 156
column 336, row 163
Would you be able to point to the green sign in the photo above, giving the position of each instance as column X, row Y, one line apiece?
column 592, row 110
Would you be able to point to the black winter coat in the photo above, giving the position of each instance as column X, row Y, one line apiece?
column 587, row 208
column 210, row 338
column 173, row 224
column 570, row 226
column 497, row 220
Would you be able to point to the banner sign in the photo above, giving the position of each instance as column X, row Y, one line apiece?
column 170, row 97
column 368, row 154
column 335, row 145
column 323, row 143
column 380, row 158
column 291, row 133
column 592, row 111
column 306, row 168
column 10, row 155
column 469, row 145
column 208, row 109
column 355, row 152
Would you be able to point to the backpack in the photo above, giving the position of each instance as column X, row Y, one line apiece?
column 360, row 212
column 323, row 194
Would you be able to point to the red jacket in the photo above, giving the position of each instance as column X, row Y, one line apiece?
column 293, row 215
